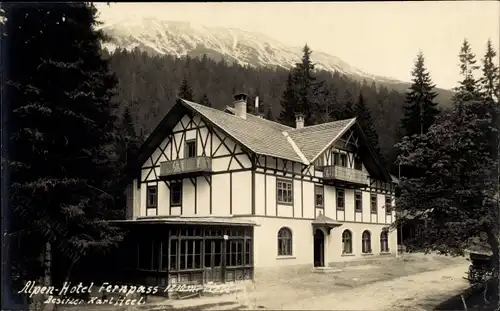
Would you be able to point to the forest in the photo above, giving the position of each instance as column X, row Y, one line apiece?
column 149, row 84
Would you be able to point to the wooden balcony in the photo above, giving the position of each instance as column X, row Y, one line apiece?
column 187, row 167
column 344, row 176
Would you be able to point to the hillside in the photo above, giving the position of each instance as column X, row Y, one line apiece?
column 159, row 37
column 149, row 84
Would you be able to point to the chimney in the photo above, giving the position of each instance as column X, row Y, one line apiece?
column 240, row 105
column 299, row 120
column 257, row 112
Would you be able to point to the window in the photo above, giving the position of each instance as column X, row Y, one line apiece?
column 284, row 191
column 366, row 246
column 335, row 158
column 320, row 163
column 234, row 253
column 358, row 201
column 388, row 204
column 319, row 196
column 284, row 242
column 346, row 242
column 175, row 193
column 373, row 203
column 190, row 149
column 358, row 165
column 340, row 199
column 384, row 241
column 343, row 160
column 152, row 196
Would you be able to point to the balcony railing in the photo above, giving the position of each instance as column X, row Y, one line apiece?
column 186, row 166
column 345, row 174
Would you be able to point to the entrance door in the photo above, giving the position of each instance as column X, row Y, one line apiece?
column 214, row 255
column 319, row 248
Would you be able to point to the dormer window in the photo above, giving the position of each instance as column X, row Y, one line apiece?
column 190, row 149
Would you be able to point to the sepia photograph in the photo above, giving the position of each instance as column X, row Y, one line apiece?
column 250, row 156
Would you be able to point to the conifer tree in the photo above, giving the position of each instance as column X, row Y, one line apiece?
column 348, row 108
column 302, row 93
column 490, row 81
column 205, row 101
column 185, row 91
column 289, row 103
column 60, row 152
column 365, row 120
column 468, row 88
column 420, row 109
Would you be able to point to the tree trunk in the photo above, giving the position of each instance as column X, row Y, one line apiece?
column 47, row 277
column 68, row 275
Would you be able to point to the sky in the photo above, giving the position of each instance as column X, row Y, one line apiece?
column 381, row 38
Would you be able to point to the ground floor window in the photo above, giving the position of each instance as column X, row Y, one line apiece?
column 366, row 246
column 284, row 242
column 346, row 242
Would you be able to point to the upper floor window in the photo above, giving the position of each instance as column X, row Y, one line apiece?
column 284, row 191
column 319, row 196
column 358, row 201
column 335, row 158
column 366, row 246
column 152, row 196
column 284, row 242
column 343, row 160
column 346, row 242
column 320, row 163
column 373, row 203
column 176, row 193
column 190, row 149
column 340, row 199
column 358, row 165
column 388, row 204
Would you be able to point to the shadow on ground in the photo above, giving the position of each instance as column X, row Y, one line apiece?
column 474, row 299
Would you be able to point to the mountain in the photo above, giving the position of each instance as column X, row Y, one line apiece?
column 157, row 36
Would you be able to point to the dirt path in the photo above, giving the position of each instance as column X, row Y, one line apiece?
column 417, row 292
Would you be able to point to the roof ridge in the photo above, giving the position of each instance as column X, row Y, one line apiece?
column 267, row 120
column 296, row 148
column 321, row 124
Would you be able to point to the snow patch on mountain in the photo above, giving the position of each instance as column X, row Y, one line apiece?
column 246, row 48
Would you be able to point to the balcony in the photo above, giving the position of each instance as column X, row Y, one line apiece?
column 345, row 176
column 187, row 167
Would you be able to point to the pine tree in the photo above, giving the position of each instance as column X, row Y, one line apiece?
column 205, row 101
column 185, row 91
column 289, row 103
column 490, row 81
column 348, row 111
column 302, row 93
column 365, row 120
column 468, row 88
column 62, row 132
column 420, row 109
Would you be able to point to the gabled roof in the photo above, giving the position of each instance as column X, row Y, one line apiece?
column 314, row 140
column 256, row 134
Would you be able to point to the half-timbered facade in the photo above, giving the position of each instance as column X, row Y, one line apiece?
column 219, row 194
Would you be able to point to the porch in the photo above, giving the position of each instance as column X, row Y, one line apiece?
column 166, row 251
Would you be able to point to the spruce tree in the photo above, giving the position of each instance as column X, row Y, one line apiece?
column 205, row 101
column 62, row 130
column 348, row 111
column 468, row 88
column 365, row 120
column 302, row 93
column 289, row 102
column 185, row 91
column 490, row 81
column 420, row 109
